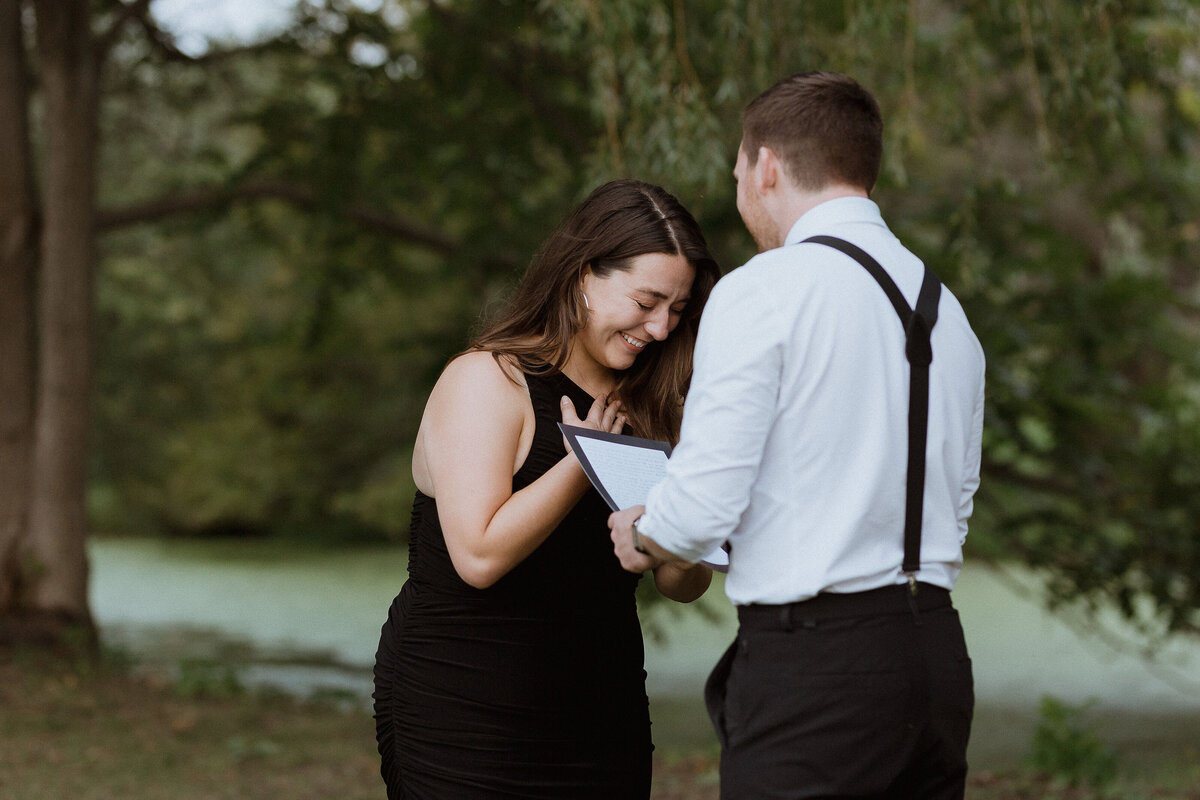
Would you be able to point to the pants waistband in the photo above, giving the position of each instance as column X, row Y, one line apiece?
column 885, row 600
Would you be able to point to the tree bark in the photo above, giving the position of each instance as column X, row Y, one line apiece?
column 57, row 516
column 18, row 256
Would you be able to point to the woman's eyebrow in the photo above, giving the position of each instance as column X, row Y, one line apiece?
column 661, row 296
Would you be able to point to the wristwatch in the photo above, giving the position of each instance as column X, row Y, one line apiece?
column 637, row 540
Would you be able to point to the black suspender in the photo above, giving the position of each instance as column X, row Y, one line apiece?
column 918, row 325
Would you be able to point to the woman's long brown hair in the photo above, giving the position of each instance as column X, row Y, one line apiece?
column 618, row 221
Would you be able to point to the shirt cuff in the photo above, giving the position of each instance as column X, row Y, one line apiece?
column 666, row 537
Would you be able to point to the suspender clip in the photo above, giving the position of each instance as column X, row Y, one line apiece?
column 913, row 588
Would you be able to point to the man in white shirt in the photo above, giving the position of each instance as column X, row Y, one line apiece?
column 849, row 676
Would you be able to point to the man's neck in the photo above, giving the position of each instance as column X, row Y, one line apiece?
column 798, row 202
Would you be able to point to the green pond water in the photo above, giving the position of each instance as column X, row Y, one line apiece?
column 307, row 615
column 306, row 620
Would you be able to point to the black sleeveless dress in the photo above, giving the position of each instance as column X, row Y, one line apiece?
column 531, row 688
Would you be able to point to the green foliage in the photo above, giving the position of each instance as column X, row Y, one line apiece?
column 1082, row 305
column 263, row 364
column 1042, row 159
column 283, row 354
column 1065, row 748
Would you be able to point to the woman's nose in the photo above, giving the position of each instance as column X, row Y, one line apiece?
column 659, row 325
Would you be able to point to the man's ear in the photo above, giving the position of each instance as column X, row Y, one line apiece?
column 766, row 170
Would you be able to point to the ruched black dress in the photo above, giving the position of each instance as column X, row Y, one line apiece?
column 531, row 688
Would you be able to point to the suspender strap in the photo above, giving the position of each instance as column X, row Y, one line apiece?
column 918, row 326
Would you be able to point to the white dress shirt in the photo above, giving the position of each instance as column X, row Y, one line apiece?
column 794, row 444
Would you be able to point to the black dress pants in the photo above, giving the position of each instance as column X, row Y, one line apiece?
column 866, row 695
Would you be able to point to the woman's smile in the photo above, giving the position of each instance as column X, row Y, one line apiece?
column 636, row 344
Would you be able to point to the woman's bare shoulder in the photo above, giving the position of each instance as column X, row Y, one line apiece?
column 484, row 368
column 478, row 375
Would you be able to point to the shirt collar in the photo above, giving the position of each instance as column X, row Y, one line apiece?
column 841, row 210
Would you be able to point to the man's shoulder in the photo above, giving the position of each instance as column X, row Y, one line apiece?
column 803, row 268
column 784, row 263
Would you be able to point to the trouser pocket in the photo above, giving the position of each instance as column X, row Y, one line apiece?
column 714, row 692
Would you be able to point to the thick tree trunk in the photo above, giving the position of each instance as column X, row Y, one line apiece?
column 57, row 516
column 18, row 256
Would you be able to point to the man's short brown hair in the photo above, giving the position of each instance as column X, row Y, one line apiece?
column 823, row 126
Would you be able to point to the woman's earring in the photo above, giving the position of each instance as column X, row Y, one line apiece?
column 586, row 304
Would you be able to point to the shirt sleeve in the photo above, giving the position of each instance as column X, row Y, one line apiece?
column 729, row 411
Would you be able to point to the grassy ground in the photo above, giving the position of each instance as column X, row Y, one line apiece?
column 109, row 733
column 1157, row 756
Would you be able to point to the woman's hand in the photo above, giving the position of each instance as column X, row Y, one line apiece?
column 602, row 416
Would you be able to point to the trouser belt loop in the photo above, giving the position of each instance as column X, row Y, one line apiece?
column 785, row 617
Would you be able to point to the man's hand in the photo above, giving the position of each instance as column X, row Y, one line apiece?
column 620, row 524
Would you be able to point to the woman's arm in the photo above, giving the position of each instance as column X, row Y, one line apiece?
column 682, row 582
column 674, row 578
column 475, row 433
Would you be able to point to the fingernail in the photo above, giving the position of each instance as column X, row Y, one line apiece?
column 564, row 400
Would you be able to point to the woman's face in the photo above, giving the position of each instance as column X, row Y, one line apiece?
column 631, row 308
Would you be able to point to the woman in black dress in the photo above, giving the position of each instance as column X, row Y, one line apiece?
column 511, row 662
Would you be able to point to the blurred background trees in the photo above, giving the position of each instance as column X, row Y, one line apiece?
column 293, row 235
